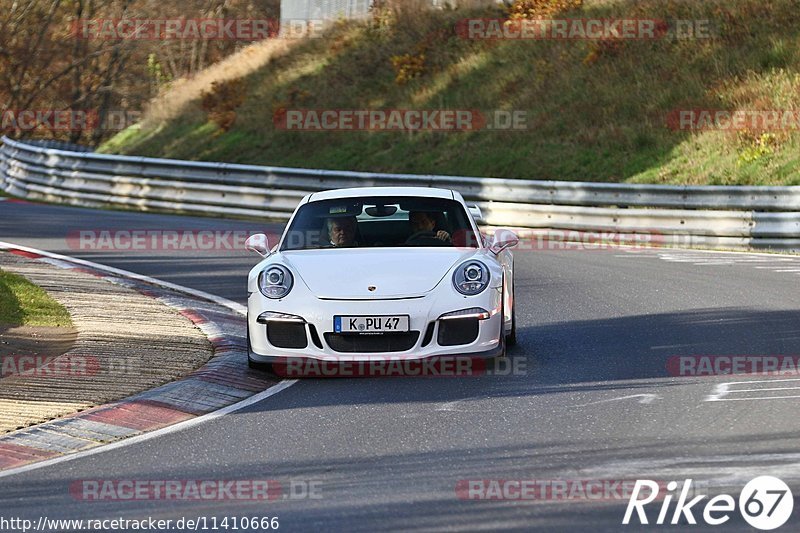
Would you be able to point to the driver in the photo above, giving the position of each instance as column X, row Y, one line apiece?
column 424, row 222
column 342, row 231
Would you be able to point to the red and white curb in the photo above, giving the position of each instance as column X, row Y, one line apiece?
column 224, row 384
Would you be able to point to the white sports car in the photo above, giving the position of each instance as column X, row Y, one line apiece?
column 369, row 274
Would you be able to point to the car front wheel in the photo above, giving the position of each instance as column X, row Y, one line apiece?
column 511, row 338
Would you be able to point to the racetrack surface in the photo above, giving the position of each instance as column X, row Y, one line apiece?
column 593, row 399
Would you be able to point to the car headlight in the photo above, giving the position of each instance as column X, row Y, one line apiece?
column 275, row 281
column 471, row 278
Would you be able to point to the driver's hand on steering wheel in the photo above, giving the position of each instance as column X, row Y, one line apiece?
column 442, row 235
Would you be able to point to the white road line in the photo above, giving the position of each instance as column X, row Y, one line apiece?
column 724, row 260
column 766, row 260
column 766, row 389
column 451, row 406
column 720, row 390
column 275, row 389
column 233, row 306
column 755, row 398
column 772, row 262
column 690, row 258
column 645, row 399
column 724, row 389
column 700, row 260
column 701, row 253
column 764, row 381
column 707, row 260
column 745, row 258
column 707, row 253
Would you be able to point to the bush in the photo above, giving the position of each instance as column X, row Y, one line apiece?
column 408, row 67
column 526, row 9
column 221, row 101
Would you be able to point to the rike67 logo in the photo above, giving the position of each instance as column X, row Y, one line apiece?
column 765, row 503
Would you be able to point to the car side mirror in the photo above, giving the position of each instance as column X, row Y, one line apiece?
column 258, row 243
column 503, row 239
column 475, row 211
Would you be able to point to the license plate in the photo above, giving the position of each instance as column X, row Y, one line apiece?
column 370, row 324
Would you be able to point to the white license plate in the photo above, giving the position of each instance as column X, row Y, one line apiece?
column 371, row 324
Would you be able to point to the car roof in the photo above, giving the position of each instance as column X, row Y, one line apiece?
column 355, row 192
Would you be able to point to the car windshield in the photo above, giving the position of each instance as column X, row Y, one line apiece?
column 371, row 222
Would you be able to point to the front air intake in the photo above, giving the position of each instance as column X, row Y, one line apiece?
column 456, row 331
column 287, row 334
column 387, row 342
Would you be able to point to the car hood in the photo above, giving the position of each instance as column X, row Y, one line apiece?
column 347, row 274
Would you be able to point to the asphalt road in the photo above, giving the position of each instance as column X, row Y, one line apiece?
column 591, row 398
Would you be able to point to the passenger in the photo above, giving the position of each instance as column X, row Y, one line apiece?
column 423, row 224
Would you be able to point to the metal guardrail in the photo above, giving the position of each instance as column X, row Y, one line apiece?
column 708, row 215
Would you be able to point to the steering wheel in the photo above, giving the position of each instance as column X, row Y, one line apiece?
column 425, row 238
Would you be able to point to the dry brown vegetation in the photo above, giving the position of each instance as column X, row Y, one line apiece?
column 44, row 65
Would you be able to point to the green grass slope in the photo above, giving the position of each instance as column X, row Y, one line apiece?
column 594, row 112
column 24, row 304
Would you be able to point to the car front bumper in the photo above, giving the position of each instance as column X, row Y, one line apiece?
column 315, row 317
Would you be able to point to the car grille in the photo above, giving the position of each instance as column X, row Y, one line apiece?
column 455, row 331
column 287, row 334
column 387, row 342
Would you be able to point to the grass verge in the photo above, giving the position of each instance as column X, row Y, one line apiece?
column 596, row 111
column 24, row 304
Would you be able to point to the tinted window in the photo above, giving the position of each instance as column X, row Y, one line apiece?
column 380, row 222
